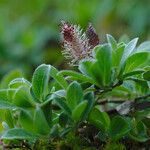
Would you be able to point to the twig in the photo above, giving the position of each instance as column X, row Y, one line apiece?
column 99, row 92
column 132, row 104
column 142, row 97
column 109, row 101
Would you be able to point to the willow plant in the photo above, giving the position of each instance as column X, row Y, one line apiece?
column 104, row 104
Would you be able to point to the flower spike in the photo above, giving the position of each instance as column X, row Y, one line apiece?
column 77, row 46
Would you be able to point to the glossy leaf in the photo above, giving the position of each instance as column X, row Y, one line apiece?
column 89, row 97
column 146, row 75
column 40, row 81
column 141, row 85
column 116, row 55
column 17, row 133
column 79, row 110
column 112, row 41
column 127, row 52
column 4, row 94
column 26, row 120
column 100, row 119
column 139, row 132
column 47, row 110
column 119, row 127
column 74, row 95
column 6, row 105
column 101, row 69
column 144, row 47
column 9, row 118
column 133, row 73
column 40, row 123
column 19, row 82
column 62, row 104
column 63, row 119
column 22, row 98
column 77, row 76
column 135, row 61
column 58, row 77
column 85, row 67
column 9, row 77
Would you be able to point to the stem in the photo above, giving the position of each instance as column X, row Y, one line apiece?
column 135, row 104
column 142, row 97
column 100, row 92
column 109, row 101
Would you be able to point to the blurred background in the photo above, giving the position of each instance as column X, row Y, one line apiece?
column 29, row 29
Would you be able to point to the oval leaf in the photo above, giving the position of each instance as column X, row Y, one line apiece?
column 135, row 61
column 22, row 98
column 100, row 119
column 119, row 127
column 40, row 81
column 17, row 133
column 101, row 69
column 111, row 41
column 74, row 95
column 26, row 120
column 78, row 111
column 40, row 123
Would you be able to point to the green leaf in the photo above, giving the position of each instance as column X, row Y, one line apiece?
column 22, row 98
column 40, row 123
column 62, row 104
column 4, row 94
column 77, row 76
column 78, row 111
column 85, row 67
column 144, row 47
column 9, row 118
column 141, row 85
column 129, row 49
column 135, row 61
column 127, row 52
column 47, row 110
column 103, row 136
column 40, row 81
column 10, row 94
column 119, row 127
column 74, row 95
column 146, row 75
column 9, row 77
column 112, row 41
column 54, row 133
column 26, row 120
column 6, row 105
column 63, row 119
column 19, row 82
column 17, row 133
column 54, row 95
column 116, row 55
column 101, row 69
column 58, row 77
column 100, row 119
column 89, row 97
column 139, row 132
column 65, row 131
column 132, row 73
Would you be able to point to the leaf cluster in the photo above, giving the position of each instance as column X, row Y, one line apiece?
column 106, row 101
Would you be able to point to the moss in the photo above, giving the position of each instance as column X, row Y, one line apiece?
column 114, row 146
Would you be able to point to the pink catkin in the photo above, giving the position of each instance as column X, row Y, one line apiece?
column 77, row 45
